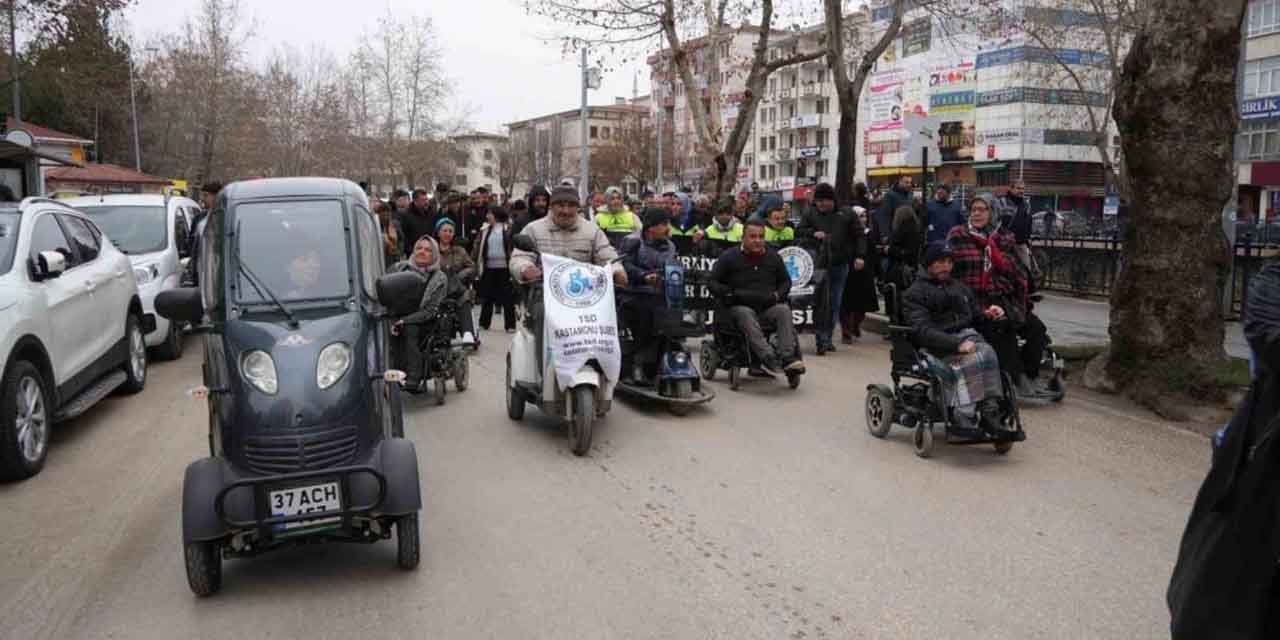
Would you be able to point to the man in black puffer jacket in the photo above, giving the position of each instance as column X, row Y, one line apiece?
column 840, row 233
column 753, row 282
column 942, row 311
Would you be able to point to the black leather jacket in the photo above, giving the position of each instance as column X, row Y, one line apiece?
column 938, row 310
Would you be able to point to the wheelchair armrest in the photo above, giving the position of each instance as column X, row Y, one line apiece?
column 899, row 328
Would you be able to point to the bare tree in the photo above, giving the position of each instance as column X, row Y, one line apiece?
column 693, row 34
column 1175, row 99
column 629, row 154
column 513, row 166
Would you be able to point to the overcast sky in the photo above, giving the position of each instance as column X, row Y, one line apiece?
column 492, row 52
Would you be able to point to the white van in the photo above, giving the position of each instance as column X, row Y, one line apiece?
column 154, row 231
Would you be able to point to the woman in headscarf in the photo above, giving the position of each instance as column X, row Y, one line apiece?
column 985, row 262
column 457, row 264
column 409, row 330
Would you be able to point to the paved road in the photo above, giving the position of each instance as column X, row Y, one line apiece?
column 772, row 515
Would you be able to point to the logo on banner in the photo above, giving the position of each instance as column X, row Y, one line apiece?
column 576, row 287
column 799, row 265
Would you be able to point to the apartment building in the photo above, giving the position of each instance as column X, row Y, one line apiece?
column 1259, row 148
column 550, row 147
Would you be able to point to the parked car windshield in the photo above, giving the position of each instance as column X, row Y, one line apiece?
column 133, row 229
column 8, row 238
column 296, row 251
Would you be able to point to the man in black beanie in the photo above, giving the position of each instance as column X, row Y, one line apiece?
column 838, row 238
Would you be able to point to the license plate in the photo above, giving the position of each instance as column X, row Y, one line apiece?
column 316, row 498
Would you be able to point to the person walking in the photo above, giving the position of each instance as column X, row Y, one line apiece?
column 414, row 220
column 944, row 215
column 491, row 254
column 1226, row 582
column 860, row 291
column 842, row 245
column 905, row 243
column 392, row 246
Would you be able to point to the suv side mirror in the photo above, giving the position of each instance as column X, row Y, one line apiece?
column 182, row 304
column 49, row 264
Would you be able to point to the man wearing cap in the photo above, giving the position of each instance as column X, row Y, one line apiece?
column 753, row 283
column 842, row 245
column 564, row 233
column 645, row 256
column 942, row 313
column 615, row 217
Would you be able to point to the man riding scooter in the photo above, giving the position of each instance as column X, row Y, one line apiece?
column 563, row 233
column 645, row 256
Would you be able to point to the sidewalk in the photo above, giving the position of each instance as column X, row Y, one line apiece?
column 1080, row 321
column 1073, row 321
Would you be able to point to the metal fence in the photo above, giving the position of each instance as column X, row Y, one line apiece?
column 1089, row 266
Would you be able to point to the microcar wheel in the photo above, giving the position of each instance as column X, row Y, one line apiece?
column 584, row 417
column 408, row 547
column 25, row 417
column 683, row 390
column 793, row 380
column 1004, row 447
column 204, row 567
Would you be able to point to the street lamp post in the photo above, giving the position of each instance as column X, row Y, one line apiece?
column 133, row 109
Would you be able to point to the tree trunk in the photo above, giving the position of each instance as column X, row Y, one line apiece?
column 1175, row 100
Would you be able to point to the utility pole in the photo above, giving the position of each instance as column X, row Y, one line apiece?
column 584, row 163
column 133, row 109
column 16, row 84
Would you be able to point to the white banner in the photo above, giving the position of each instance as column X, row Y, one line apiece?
column 581, row 322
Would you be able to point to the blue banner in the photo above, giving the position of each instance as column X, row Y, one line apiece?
column 1040, row 55
column 1260, row 108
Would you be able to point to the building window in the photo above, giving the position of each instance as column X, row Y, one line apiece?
column 820, row 169
column 604, row 133
column 821, row 136
column 1264, row 17
column 773, row 142
column 764, row 143
column 996, row 178
column 595, row 133
column 773, row 85
column 488, row 154
column 1262, row 77
column 488, row 172
column 747, row 158
column 822, row 75
column 764, row 116
column 821, row 105
column 763, row 172
column 460, row 180
column 1262, row 138
column 773, row 171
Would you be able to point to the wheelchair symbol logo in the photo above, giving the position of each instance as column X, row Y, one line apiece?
column 578, row 287
column 799, row 265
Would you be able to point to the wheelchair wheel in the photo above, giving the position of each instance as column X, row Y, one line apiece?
column 923, row 440
column 1004, row 447
column 879, row 406
column 735, row 378
column 440, row 390
column 461, row 374
column 708, row 360
column 793, row 380
column 515, row 402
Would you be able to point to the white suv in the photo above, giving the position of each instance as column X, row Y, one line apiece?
column 72, row 327
column 155, row 232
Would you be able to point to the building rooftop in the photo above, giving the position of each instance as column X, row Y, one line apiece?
column 44, row 134
column 102, row 174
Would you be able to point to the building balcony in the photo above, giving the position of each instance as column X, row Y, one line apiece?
column 814, row 90
column 784, row 154
column 787, row 94
column 785, row 124
column 807, row 120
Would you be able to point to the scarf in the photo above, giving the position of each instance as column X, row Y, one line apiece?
column 993, row 259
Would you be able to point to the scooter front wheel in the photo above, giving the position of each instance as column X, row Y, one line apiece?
column 515, row 402
column 583, row 420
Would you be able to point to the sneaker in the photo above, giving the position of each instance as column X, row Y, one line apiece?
column 795, row 366
column 846, row 339
column 963, row 422
column 771, row 366
column 468, row 340
column 821, row 349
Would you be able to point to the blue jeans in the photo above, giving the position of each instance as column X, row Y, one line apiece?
column 837, row 277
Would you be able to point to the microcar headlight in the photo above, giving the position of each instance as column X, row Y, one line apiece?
column 145, row 273
column 334, row 361
column 260, row 370
column 681, row 359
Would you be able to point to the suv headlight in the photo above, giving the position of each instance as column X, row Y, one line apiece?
column 260, row 370
column 145, row 273
column 334, row 361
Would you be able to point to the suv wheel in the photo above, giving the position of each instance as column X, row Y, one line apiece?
column 25, row 416
column 135, row 367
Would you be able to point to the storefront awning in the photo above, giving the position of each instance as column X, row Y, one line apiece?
column 991, row 166
column 893, row 171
